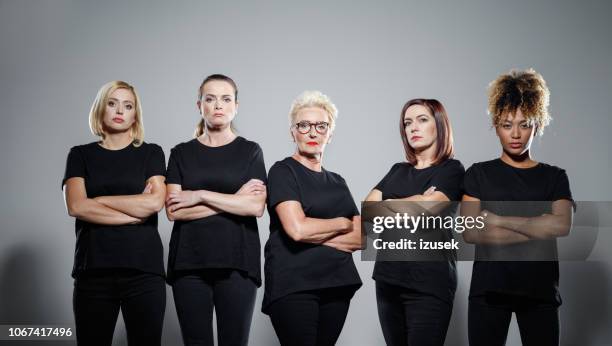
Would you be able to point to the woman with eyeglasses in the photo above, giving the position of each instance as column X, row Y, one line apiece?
column 115, row 188
column 528, row 286
column 314, row 228
column 415, row 298
column 215, row 193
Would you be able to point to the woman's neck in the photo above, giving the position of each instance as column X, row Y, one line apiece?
column 116, row 141
column 523, row 160
column 311, row 162
column 217, row 137
column 425, row 157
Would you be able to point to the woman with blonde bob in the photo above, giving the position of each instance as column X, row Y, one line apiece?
column 314, row 228
column 114, row 188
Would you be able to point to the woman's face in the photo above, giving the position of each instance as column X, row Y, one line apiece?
column 420, row 128
column 312, row 142
column 218, row 104
column 515, row 133
column 119, row 111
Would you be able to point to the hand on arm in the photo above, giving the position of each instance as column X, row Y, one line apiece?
column 348, row 242
column 301, row 228
column 546, row 226
column 249, row 200
column 431, row 202
column 492, row 234
column 90, row 210
column 142, row 205
column 181, row 205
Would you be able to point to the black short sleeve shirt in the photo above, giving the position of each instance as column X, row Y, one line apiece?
column 438, row 278
column 111, row 173
column 497, row 181
column 292, row 266
column 223, row 240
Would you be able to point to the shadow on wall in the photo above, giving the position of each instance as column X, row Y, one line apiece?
column 22, row 292
column 585, row 313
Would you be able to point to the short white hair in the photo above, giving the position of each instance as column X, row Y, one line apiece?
column 314, row 98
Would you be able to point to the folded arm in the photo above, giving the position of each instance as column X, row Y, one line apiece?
column 194, row 212
column 301, row 228
column 547, row 226
column 142, row 205
column 87, row 209
column 491, row 234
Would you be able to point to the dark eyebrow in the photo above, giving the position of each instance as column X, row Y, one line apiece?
column 213, row 95
column 418, row 115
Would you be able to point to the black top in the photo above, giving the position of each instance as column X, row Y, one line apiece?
column 497, row 181
column 112, row 173
column 223, row 240
column 438, row 278
column 297, row 266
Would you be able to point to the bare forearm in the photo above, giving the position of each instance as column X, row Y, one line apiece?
column 422, row 204
column 91, row 211
column 351, row 241
column 191, row 213
column 540, row 227
column 237, row 204
column 139, row 206
column 494, row 236
column 317, row 231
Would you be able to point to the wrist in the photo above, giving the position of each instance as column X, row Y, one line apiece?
column 201, row 196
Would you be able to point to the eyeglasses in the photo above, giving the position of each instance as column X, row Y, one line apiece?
column 304, row 127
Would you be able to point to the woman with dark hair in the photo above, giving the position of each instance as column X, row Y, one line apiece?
column 216, row 190
column 518, row 105
column 115, row 188
column 314, row 227
column 415, row 298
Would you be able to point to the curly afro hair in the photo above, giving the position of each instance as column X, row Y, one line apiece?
column 520, row 89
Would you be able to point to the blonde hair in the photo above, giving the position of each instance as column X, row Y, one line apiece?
column 314, row 99
column 520, row 89
column 96, row 114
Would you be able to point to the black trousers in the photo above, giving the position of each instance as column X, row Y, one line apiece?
column 98, row 296
column 408, row 317
column 310, row 318
column 231, row 293
column 489, row 317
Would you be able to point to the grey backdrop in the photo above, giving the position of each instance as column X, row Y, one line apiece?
column 369, row 57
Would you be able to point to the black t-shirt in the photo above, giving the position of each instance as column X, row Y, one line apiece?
column 223, row 240
column 112, row 173
column 297, row 266
column 438, row 278
column 497, row 181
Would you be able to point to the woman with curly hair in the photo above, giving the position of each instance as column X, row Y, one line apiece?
column 501, row 285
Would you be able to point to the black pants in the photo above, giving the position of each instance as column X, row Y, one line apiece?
column 411, row 318
column 489, row 317
column 229, row 292
column 99, row 295
column 310, row 318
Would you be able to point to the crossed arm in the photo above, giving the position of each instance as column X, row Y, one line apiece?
column 514, row 229
column 340, row 233
column 186, row 205
column 430, row 202
column 114, row 210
